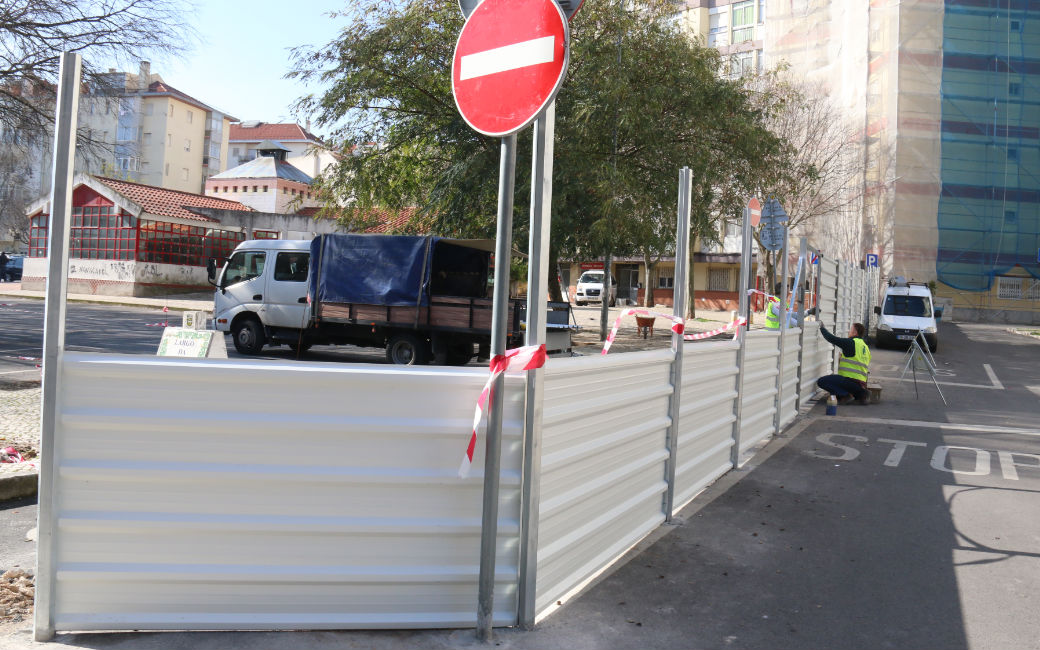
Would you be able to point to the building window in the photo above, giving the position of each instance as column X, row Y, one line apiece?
column 187, row 144
column 743, row 63
column 719, row 280
column 128, row 164
column 285, row 190
column 147, row 138
column 171, row 109
column 761, row 11
column 265, row 234
column 225, row 189
column 234, row 152
column 666, row 282
column 265, row 188
column 173, row 243
column 743, row 21
column 169, row 139
column 1010, row 216
column 184, row 173
column 1009, row 288
column 254, row 189
column 96, row 232
column 1014, row 89
column 717, row 30
column 234, row 188
column 1012, row 155
column 190, row 116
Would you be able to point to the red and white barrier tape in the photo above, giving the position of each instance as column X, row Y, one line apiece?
column 10, row 455
column 528, row 357
column 677, row 324
column 705, row 335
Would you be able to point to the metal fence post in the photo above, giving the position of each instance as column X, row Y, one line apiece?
column 803, row 262
column 778, row 416
column 679, row 302
column 537, row 287
column 744, row 306
column 54, row 335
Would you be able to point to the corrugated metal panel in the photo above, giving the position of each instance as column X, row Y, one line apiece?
column 759, row 392
column 816, row 358
column 603, row 463
column 788, row 412
column 706, row 417
column 262, row 495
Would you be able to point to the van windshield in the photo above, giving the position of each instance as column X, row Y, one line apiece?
column 907, row 306
column 591, row 277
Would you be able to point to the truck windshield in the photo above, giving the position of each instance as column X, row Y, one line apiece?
column 907, row 306
column 242, row 266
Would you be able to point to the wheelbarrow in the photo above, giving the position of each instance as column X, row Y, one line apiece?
column 645, row 325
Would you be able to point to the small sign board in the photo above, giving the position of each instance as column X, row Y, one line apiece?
column 586, row 266
column 773, row 211
column 872, row 260
column 772, row 236
column 193, row 320
column 181, row 342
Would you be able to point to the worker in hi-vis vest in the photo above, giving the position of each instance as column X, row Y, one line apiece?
column 773, row 315
column 853, row 367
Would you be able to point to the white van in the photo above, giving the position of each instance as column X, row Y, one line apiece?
column 906, row 308
column 590, row 288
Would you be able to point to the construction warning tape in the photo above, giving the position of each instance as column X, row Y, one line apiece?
column 677, row 324
column 528, row 357
column 707, row 335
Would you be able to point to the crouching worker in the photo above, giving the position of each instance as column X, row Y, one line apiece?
column 851, row 381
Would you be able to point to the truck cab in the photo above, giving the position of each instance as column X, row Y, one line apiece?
column 261, row 289
column 906, row 309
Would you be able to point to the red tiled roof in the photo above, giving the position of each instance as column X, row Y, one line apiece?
column 163, row 88
column 170, row 203
column 267, row 131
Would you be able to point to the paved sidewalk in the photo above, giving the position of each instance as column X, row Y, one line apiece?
column 182, row 302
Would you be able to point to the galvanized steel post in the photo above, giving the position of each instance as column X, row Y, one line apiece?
column 803, row 264
column 778, row 416
column 745, row 312
column 493, row 448
column 537, row 289
column 679, row 302
column 54, row 335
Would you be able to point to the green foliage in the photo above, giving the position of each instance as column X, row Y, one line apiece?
column 640, row 101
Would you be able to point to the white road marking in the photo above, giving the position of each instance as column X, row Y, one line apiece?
column 19, row 372
column 923, row 377
column 993, row 376
column 945, row 426
column 507, row 57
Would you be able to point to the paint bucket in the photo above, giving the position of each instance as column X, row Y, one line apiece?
column 832, row 405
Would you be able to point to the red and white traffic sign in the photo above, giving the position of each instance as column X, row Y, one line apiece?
column 754, row 206
column 509, row 62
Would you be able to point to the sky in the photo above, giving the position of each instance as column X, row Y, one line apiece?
column 243, row 53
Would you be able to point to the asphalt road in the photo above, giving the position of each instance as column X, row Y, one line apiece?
column 905, row 524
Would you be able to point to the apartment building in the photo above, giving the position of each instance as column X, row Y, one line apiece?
column 735, row 27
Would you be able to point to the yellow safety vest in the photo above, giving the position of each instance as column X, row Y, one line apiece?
column 772, row 320
column 857, row 367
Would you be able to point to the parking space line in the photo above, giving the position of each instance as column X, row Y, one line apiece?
column 945, row 426
column 993, row 376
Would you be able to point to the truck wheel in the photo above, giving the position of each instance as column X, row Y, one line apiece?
column 459, row 354
column 248, row 336
column 406, row 350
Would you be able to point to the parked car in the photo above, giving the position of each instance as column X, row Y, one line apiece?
column 590, row 288
column 13, row 270
column 906, row 309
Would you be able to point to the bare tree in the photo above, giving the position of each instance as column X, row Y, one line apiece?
column 34, row 33
column 821, row 189
column 13, row 194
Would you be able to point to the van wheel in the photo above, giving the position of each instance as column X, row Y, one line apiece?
column 613, row 302
column 248, row 336
column 406, row 350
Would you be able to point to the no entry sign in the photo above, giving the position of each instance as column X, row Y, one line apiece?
column 509, row 62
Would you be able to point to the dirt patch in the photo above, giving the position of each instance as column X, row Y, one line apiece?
column 17, row 591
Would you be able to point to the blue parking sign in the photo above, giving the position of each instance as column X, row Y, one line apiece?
column 872, row 260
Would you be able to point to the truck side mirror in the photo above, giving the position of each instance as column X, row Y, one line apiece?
column 211, row 271
column 877, row 310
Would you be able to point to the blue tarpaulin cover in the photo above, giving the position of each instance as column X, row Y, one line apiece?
column 392, row 270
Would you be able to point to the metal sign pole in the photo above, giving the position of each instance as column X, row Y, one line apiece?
column 681, row 294
column 54, row 334
column 537, row 301
column 803, row 261
column 745, row 271
column 493, row 449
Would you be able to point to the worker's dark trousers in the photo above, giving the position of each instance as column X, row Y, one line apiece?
column 841, row 386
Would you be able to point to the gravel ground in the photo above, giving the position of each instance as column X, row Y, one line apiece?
column 20, row 418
